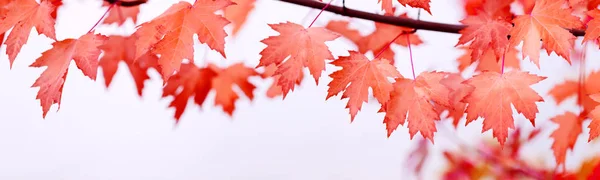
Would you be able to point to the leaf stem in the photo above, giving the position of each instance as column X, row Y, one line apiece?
column 101, row 18
column 325, row 7
column 503, row 57
column 412, row 65
column 388, row 45
column 580, row 84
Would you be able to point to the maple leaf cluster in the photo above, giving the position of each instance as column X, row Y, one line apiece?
column 490, row 38
column 487, row 160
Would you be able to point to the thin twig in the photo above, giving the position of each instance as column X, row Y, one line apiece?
column 125, row 3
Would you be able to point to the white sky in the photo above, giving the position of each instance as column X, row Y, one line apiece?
column 112, row 133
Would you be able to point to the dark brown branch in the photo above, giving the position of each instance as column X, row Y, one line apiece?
column 127, row 3
column 399, row 21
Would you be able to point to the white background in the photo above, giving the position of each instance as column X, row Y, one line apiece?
column 111, row 133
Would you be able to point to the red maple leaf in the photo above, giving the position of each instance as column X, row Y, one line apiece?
column 547, row 22
column 569, row 128
column 275, row 89
column 595, row 115
column 581, row 90
column 380, row 38
column 592, row 32
column 386, row 5
column 485, row 31
column 488, row 61
column 178, row 24
column 342, row 27
column 493, row 95
column 122, row 48
column 198, row 82
column 308, row 50
column 458, row 92
column 120, row 14
column 234, row 75
column 22, row 16
column 357, row 75
column 84, row 51
column 238, row 13
column 413, row 98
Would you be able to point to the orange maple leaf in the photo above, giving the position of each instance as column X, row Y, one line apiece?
column 198, row 82
column 458, row 92
column 22, row 16
column 488, row 61
column 592, row 32
column 387, row 6
column 357, row 75
column 84, row 51
column 119, row 14
column 178, row 24
column 493, row 95
column 581, row 90
column 414, row 97
column 569, row 128
column 485, row 32
column 547, row 22
column 122, row 48
column 238, row 13
column 595, row 116
column 307, row 50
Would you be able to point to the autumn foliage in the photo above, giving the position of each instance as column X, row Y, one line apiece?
column 492, row 39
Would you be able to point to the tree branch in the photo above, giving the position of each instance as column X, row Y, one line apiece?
column 124, row 3
column 399, row 21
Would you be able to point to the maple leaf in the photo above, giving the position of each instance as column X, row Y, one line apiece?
column 488, row 61
column 595, row 173
column 307, row 50
column 238, row 13
column 458, row 91
column 484, row 32
column 119, row 14
column 198, row 82
column 595, row 116
column 386, row 5
column 223, row 83
column 581, row 90
column 497, row 9
column 84, row 51
column 379, row 39
column 546, row 22
column 275, row 90
column 528, row 5
column 57, row 4
column 178, row 24
column 592, row 32
column 569, row 127
column 357, row 75
column 122, row 48
column 413, row 97
column 341, row 27
column 24, row 15
column 493, row 95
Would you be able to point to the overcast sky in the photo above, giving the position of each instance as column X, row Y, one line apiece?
column 112, row 133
